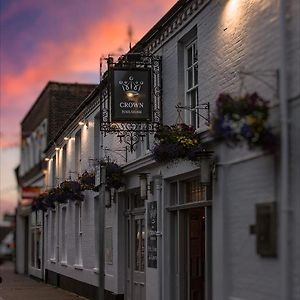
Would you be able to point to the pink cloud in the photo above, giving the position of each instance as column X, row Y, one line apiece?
column 71, row 59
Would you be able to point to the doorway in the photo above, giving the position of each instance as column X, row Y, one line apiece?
column 189, row 220
column 135, row 245
column 196, row 255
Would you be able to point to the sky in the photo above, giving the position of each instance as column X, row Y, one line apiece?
column 57, row 40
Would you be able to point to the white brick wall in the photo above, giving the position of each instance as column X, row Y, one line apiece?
column 229, row 41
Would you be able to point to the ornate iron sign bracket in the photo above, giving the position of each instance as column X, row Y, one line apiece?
column 201, row 107
column 131, row 131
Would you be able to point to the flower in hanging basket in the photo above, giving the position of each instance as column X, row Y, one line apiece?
column 71, row 190
column 243, row 119
column 87, row 181
column 41, row 203
column 57, row 195
column 174, row 142
column 114, row 175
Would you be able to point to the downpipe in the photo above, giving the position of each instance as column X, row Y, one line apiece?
column 285, row 206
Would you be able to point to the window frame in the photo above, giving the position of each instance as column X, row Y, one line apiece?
column 191, row 89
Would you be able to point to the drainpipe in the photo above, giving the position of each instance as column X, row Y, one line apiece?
column 157, row 182
column 285, row 208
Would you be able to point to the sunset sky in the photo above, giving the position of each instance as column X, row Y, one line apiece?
column 58, row 40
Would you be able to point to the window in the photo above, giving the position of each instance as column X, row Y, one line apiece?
column 77, row 152
column 78, row 234
column 53, row 183
column 63, row 234
column 64, row 163
column 191, row 84
column 53, row 235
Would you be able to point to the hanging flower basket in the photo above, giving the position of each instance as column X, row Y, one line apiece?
column 56, row 195
column 87, row 181
column 71, row 190
column 243, row 120
column 114, row 175
column 41, row 203
column 176, row 141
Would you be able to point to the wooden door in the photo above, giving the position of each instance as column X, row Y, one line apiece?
column 196, row 253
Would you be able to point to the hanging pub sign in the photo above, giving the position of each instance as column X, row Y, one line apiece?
column 131, row 95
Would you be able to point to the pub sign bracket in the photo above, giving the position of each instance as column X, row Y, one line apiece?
column 130, row 102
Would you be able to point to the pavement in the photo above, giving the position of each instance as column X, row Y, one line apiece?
column 21, row 287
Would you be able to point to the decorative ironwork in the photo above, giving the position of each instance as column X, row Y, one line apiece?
column 196, row 109
column 132, row 132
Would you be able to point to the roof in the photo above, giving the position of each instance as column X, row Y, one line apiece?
column 48, row 85
column 75, row 114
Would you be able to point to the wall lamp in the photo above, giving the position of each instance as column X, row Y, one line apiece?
column 47, row 159
column 110, row 196
column 144, row 186
column 66, row 138
column 84, row 122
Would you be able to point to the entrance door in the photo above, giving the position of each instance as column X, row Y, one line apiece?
column 138, row 243
column 196, row 253
column 136, row 257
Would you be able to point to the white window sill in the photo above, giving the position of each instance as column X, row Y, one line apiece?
column 96, row 270
column 78, row 267
column 63, row 263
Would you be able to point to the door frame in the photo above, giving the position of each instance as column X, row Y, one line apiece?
column 131, row 214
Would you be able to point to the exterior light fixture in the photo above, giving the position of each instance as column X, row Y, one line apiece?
column 143, row 186
column 57, row 148
column 80, row 123
column 47, row 159
column 107, row 196
column 66, row 138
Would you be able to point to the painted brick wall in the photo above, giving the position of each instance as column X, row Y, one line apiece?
column 245, row 37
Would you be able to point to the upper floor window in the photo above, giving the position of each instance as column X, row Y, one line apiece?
column 53, row 180
column 64, row 163
column 77, row 152
column 191, row 84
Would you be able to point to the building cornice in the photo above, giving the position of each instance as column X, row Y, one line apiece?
column 169, row 26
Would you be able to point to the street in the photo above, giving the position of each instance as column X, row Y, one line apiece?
column 21, row 287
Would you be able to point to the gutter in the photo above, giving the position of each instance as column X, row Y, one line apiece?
column 285, row 212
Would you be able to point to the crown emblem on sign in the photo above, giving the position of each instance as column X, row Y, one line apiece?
column 131, row 85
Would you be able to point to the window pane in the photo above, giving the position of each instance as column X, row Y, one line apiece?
column 32, row 248
column 190, row 78
column 174, row 195
column 195, row 53
column 39, row 247
column 138, row 202
column 196, row 74
column 195, row 191
column 190, row 56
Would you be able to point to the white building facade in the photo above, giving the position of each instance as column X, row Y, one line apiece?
column 193, row 234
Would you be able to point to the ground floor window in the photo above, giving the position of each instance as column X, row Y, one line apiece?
column 36, row 239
